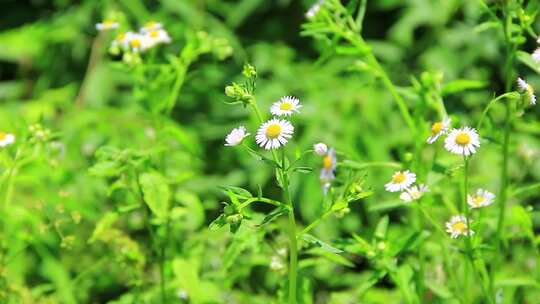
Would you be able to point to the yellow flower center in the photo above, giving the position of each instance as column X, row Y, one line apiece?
column 327, row 162
column 135, row 43
column 398, row 178
column 107, row 23
column 154, row 34
column 436, row 128
column 285, row 106
column 273, row 131
column 461, row 227
column 477, row 200
column 3, row 135
column 463, row 139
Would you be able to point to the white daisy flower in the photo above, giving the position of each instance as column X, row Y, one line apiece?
column 400, row 181
column 457, row 225
column 274, row 133
column 236, row 136
column 314, row 9
column 462, row 141
column 106, row 25
column 526, row 88
column 136, row 42
column 6, row 139
column 121, row 40
column 156, row 37
column 413, row 193
column 482, row 198
column 327, row 171
column 285, row 106
column 536, row 55
column 437, row 129
column 320, row 149
column 151, row 26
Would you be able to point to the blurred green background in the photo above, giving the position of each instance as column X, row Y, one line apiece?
column 45, row 77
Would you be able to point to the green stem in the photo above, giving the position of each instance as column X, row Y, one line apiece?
column 291, row 231
column 393, row 91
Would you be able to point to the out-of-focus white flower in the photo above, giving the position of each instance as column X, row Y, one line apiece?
column 106, row 25
column 327, row 171
column 437, row 129
column 156, row 37
column 274, row 133
column 236, row 136
column 320, row 149
column 136, row 42
column 462, row 141
column 314, row 9
column 6, row 139
column 286, row 106
column 457, row 225
column 413, row 193
column 482, row 198
column 536, row 55
column 526, row 88
column 400, row 181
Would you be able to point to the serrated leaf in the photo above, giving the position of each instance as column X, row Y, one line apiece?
column 156, row 193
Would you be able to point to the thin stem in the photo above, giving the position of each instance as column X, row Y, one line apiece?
column 393, row 91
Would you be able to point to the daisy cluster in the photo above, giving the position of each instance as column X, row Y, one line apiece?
column 273, row 133
column 404, row 181
column 148, row 36
column 463, row 141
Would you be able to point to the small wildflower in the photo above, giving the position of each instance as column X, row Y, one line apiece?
column 413, row 193
column 462, row 141
column 320, row 149
column 437, row 129
column 457, row 225
column 526, row 88
column 536, row 55
column 236, row 136
column 136, row 42
column 6, row 139
column 156, row 37
column 106, row 25
column 286, row 106
column 314, row 9
column 328, row 168
column 400, row 181
column 274, row 133
column 482, row 198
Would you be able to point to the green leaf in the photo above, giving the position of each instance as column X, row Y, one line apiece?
column 460, row 85
column 156, row 193
column 303, row 169
column 219, row 222
column 274, row 215
column 240, row 192
column 103, row 226
column 382, row 227
column 526, row 59
column 106, row 169
column 324, row 246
